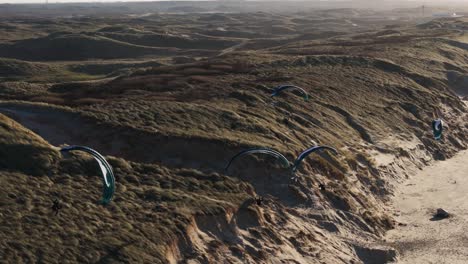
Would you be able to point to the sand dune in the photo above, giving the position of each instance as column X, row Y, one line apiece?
column 170, row 98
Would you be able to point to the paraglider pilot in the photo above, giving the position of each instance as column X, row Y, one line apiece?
column 259, row 200
column 321, row 186
column 57, row 206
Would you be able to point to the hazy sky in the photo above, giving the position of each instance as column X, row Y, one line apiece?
column 68, row 1
column 71, row 1
column 64, row 1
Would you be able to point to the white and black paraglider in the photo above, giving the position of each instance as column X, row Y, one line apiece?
column 281, row 88
column 266, row 151
column 106, row 170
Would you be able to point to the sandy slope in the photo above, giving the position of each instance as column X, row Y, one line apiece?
column 420, row 239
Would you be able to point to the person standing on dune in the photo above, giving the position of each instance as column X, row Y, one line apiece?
column 56, row 206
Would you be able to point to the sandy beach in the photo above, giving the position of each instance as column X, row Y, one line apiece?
column 420, row 238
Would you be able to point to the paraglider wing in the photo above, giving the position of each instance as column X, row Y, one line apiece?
column 437, row 128
column 106, row 170
column 281, row 88
column 309, row 151
column 267, row 151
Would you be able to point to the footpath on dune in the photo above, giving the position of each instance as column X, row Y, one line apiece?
column 421, row 238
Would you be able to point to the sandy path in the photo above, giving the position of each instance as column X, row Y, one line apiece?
column 422, row 240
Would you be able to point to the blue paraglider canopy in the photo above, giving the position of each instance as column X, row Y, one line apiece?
column 309, row 151
column 281, row 88
column 267, row 151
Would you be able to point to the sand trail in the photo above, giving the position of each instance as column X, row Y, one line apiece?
column 420, row 238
